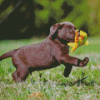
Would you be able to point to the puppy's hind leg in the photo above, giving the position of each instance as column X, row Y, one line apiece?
column 22, row 69
column 16, row 77
column 20, row 74
column 67, row 71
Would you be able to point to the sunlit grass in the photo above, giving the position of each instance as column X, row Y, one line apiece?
column 82, row 84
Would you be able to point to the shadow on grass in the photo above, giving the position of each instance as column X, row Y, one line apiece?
column 79, row 82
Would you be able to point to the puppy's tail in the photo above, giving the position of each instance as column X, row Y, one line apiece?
column 8, row 54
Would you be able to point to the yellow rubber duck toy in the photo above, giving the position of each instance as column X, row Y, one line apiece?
column 80, row 39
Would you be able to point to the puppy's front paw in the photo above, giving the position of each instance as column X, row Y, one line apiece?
column 84, row 62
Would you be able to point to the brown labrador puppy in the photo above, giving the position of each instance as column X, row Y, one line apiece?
column 50, row 53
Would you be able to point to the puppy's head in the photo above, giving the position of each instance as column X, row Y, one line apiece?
column 64, row 31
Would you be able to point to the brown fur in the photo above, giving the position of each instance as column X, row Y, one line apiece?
column 50, row 53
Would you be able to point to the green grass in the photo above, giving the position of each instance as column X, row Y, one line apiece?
column 82, row 84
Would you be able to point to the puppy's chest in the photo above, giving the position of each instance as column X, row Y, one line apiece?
column 64, row 50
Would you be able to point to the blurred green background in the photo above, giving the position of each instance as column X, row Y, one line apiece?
column 20, row 19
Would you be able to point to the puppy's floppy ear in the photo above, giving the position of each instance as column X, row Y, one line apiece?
column 54, row 29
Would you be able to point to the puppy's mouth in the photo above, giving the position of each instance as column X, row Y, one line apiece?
column 71, row 40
